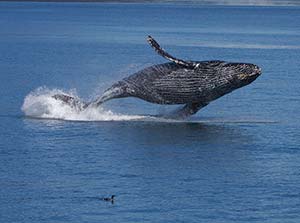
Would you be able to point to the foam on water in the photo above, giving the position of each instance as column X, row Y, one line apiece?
column 40, row 104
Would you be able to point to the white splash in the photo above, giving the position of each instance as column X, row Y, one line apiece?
column 40, row 104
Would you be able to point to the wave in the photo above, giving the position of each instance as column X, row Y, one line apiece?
column 40, row 104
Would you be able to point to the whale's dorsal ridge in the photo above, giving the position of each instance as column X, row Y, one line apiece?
column 154, row 44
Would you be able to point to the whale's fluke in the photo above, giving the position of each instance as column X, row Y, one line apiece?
column 71, row 101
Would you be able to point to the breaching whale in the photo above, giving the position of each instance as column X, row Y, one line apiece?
column 192, row 83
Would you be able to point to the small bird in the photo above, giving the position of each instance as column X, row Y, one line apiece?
column 110, row 199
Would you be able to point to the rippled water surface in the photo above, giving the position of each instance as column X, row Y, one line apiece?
column 237, row 160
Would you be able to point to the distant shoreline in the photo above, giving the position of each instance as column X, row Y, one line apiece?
column 119, row 1
column 200, row 2
column 116, row 1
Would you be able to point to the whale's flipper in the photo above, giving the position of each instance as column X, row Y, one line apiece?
column 166, row 55
column 187, row 110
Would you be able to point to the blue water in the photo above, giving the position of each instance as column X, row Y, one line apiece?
column 237, row 160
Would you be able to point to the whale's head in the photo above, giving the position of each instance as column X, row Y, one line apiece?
column 241, row 74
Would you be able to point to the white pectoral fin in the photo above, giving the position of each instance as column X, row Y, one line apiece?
column 187, row 110
column 166, row 55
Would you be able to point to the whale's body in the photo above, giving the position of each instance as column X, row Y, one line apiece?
column 170, row 83
column 193, row 83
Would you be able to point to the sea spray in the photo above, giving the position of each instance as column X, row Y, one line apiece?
column 40, row 104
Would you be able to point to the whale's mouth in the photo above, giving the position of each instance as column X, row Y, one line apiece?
column 250, row 73
column 259, row 71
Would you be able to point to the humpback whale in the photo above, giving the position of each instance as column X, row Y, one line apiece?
column 194, row 84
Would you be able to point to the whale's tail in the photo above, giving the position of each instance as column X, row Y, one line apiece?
column 118, row 90
column 71, row 101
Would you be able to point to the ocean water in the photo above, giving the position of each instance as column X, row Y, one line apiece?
column 237, row 160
